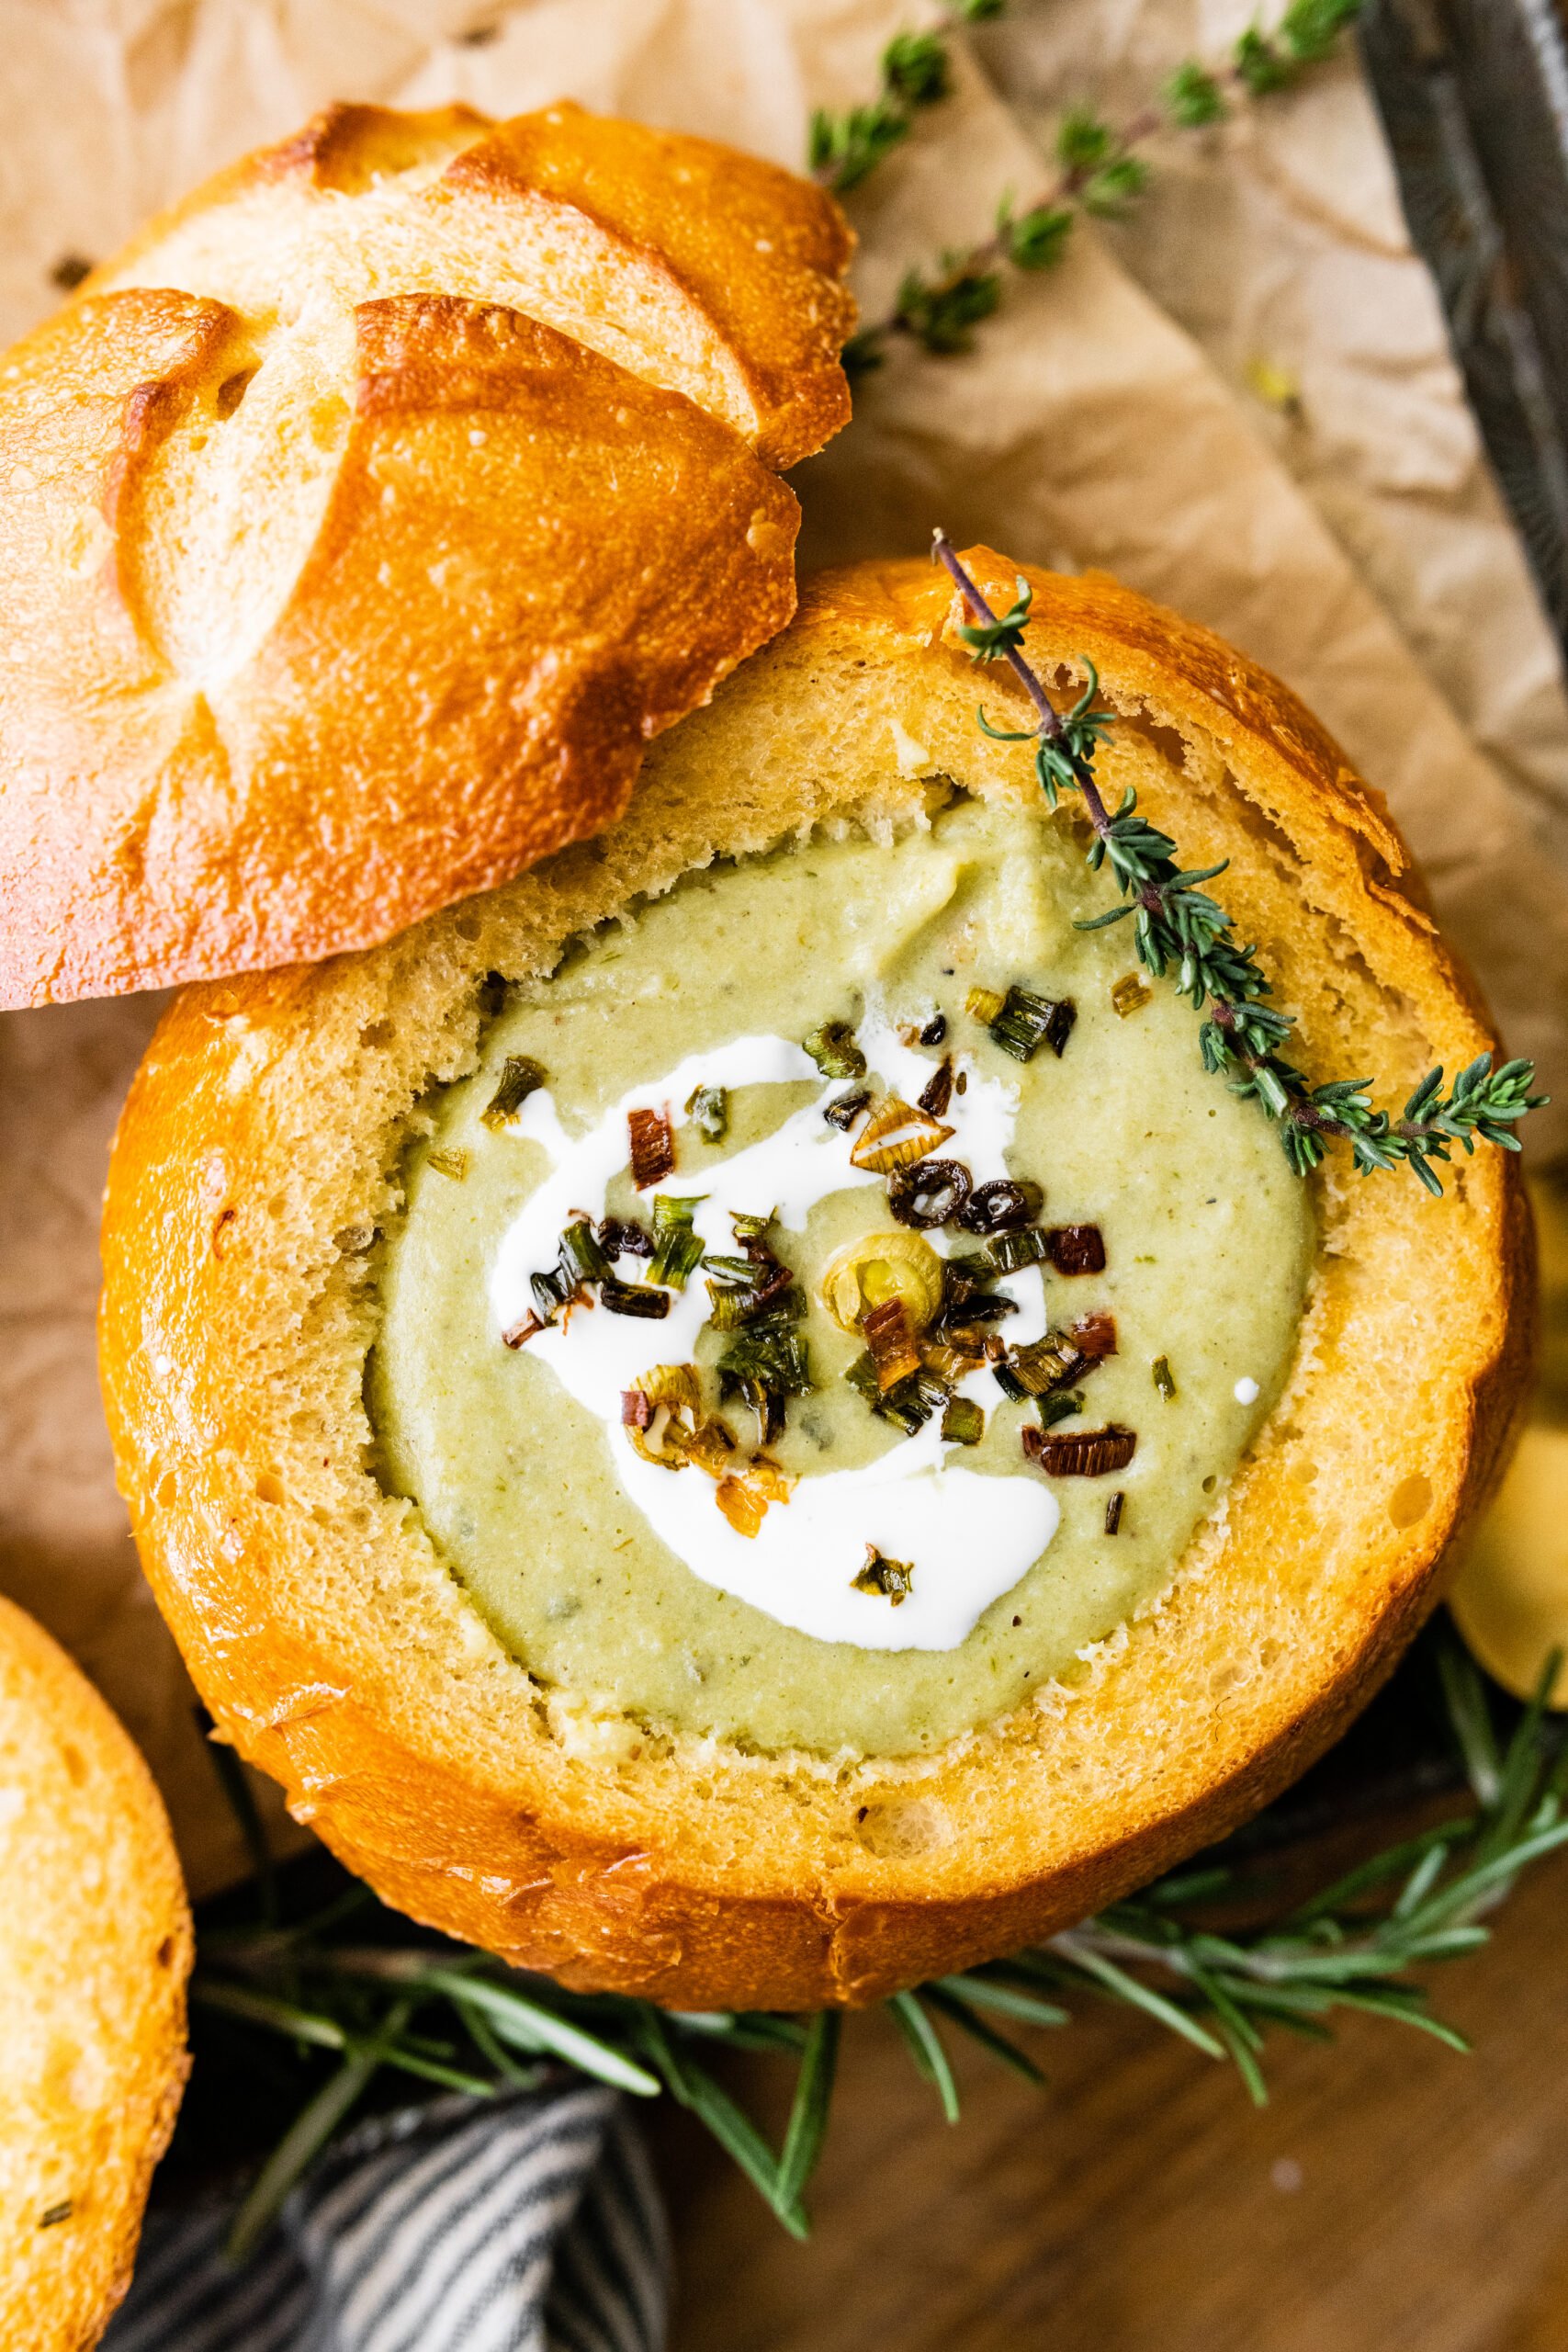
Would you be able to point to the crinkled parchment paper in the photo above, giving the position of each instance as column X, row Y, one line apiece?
column 1346, row 537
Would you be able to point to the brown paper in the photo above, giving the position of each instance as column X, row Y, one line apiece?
column 1088, row 427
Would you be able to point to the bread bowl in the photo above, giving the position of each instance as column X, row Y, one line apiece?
column 95, row 1949
column 265, row 1206
column 361, row 521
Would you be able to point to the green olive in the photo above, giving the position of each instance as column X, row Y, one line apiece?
column 878, row 1267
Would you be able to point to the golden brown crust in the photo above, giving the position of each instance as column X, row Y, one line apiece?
column 94, row 1951
column 363, row 521
column 331, row 1641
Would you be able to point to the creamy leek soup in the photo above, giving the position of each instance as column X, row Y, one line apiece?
column 839, row 1294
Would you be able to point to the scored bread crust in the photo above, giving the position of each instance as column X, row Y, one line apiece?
column 94, row 1951
column 364, row 519
column 258, row 1157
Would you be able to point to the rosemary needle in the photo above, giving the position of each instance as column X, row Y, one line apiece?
column 1350, row 1946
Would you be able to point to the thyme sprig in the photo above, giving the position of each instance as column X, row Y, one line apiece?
column 460, row 2021
column 916, row 71
column 1099, row 170
column 1180, row 931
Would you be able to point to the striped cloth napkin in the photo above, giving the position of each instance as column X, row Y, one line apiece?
column 529, row 2223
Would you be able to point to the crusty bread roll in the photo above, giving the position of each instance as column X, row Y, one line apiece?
column 95, row 1949
column 258, row 1157
column 361, row 523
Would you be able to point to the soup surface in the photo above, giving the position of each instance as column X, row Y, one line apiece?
column 951, row 1295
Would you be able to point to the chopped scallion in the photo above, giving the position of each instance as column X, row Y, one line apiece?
column 891, row 1580
column 909, row 1406
column 831, row 1045
column 1023, row 1245
column 633, row 1298
column 581, row 1255
column 845, row 1108
column 708, row 1109
column 1027, row 1021
column 520, row 1077
column 677, row 1250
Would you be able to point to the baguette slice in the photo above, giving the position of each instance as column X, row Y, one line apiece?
column 259, row 1154
column 95, row 1949
column 364, row 520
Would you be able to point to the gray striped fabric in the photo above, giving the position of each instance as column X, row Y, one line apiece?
column 526, row 2223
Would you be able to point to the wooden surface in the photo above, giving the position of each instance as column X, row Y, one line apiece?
column 1392, row 2198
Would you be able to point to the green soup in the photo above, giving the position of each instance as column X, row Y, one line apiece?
column 533, row 1478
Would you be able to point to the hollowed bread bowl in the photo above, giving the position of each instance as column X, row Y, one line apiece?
column 259, row 1158
column 95, row 1949
column 362, row 521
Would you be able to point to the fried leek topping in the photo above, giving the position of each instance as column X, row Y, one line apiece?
column 879, row 1267
column 895, row 1136
column 677, row 1251
column 708, row 1107
column 652, row 1147
column 744, row 1496
column 891, row 1580
column 1080, row 1453
column 520, row 1077
column 833, row 1049
column 929, row 1319
column 1076, row 1249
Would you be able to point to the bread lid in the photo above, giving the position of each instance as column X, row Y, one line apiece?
column 362, row 521
column 267, row 1143
column 95, row 1949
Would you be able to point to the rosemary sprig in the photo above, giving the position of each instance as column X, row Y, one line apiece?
column 1099, row 170
column 1181, row 931
column 916, row 71
column 1352, row 1946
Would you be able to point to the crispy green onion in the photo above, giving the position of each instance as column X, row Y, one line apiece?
column 708, row 1109
column 891, row 1580
column 1023, row 1244
column 845, row 1108
column 520, row 1077
column 910, row 1405
column 638, row 1299
column 1164, row 1378
column 748, row 1228
column 580, row 1255
column 963, row 1421
column 766, row 1362
column 1059, row 1406
column 832, row 1047
column 454, row 1164
column 1027, row 1021
column 552, row 1291
column 732, row 1310
column 677, row 1250
column 1039, row 1365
